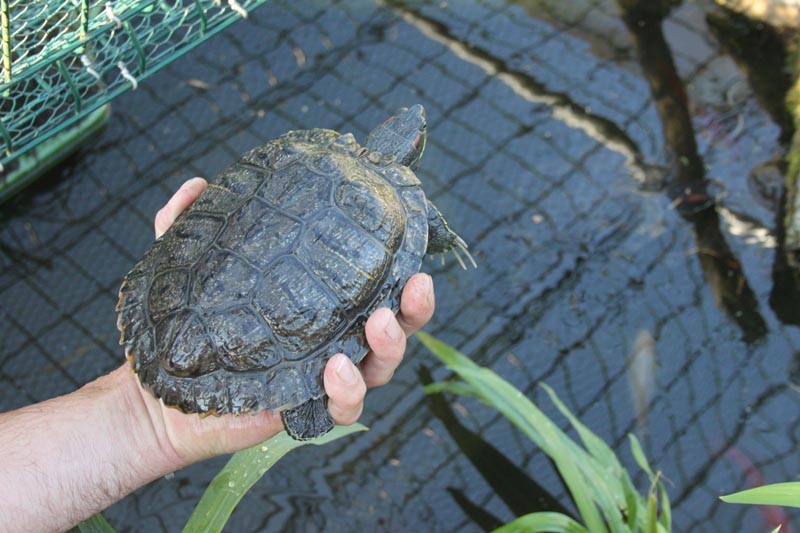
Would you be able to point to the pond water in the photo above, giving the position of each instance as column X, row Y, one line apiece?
column 547, row 152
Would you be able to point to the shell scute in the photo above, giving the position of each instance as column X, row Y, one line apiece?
column 350, row 262
column 184, row 347
column 260, row 234
column 287, row 388
column 299, row 192
column 245, row 343
column 222, row 279
column 167, row 292
column 300, row 312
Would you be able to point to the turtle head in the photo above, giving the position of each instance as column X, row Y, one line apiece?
column 403, row 135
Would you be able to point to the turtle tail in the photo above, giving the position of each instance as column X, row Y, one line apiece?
column 308, row 420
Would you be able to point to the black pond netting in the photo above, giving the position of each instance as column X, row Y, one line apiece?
column 541, row 125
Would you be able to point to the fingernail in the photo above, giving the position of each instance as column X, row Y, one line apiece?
column 429, row 289
column 392, row 329
column 346, row 371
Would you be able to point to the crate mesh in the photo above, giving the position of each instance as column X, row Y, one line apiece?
column 62, row 60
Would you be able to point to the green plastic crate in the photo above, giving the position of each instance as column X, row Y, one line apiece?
column 62, row 62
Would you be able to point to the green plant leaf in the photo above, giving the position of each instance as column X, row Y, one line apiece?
column 455, row 387
column 542, row 522
column 652, row 513
column 594, row 444
column 95, row 524
column 242, row 471
column 570, row 460
column 665, row 518
column 594, row 476
column 638, row 455
column 786, row 494
column 605, row 469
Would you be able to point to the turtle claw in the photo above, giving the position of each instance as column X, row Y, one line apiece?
column 461, row 244
column 458, row 258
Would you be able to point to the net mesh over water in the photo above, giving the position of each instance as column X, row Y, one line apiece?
column 540, row 122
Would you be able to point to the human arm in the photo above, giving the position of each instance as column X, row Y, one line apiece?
column 69, row 457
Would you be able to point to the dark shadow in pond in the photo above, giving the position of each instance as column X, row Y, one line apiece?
column 760, row 52
column 520, row 492
column 689, row 187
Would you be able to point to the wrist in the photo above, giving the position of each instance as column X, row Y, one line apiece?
column 146, row 415
column 77, row 454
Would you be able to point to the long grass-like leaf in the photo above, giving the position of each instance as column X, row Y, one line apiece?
column 499, row 394
column 594, row 476
column 786, row 494
column 665, row 515
column 652, row 511
column 638, row 455
column 542, row 522
column 242, row 471
column 665, row 518
column 606, row 470
column 95, row 524
column 459, row 388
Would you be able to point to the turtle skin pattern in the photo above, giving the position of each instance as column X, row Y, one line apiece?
column 272, row 271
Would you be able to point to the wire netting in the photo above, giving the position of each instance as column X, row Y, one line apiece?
column 540, row 122
column 63, row 60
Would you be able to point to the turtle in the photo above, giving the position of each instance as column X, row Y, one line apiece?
column 238, row 306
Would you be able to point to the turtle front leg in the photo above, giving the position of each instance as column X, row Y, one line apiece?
column 442, row 239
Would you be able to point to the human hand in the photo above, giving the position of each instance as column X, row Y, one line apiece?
column 189, row 438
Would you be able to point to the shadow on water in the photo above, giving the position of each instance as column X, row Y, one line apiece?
column 618, row 177
column 688, row 186
column 760, row 51
column 519, row 492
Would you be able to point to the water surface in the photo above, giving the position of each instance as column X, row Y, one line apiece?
column 548, row 154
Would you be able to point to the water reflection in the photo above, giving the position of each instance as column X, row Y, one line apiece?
column 688, row 184
column 760, row 52
column 650, row 177
column 642, row 368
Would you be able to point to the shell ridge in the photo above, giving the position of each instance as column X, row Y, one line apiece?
column 344, row 214
column 269, row 205
column 237, row 255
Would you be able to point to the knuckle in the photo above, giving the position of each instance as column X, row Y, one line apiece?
column 384, row 378
column 352, row 416
column 359, row 392
column 349, row 416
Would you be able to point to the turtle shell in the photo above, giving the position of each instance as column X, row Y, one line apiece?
column 275, row 269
